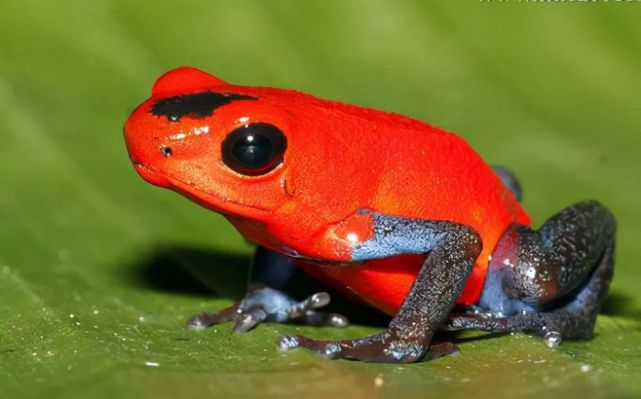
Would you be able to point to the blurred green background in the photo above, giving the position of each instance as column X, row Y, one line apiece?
column 93, row 287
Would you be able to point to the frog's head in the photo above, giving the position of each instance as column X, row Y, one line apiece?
column 218, row 144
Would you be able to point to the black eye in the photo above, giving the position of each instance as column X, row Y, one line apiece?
column 254, row 149
column 166, row 151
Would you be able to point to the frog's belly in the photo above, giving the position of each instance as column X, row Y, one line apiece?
column 380, row 283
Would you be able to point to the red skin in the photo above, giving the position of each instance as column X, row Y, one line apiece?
column 340, row 158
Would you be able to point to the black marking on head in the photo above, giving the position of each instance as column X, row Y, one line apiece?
column 199, row 105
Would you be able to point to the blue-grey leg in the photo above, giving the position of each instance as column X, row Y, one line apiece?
column 551, row 281
column 271, row 269
column 452, row 249
column 265, row 302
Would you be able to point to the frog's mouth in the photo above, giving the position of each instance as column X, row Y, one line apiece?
column 211, row 200
column 150, row 175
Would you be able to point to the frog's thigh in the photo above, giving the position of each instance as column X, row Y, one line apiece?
column 554, row 277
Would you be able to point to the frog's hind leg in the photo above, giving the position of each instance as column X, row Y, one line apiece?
column 509, row 179
column 548, row 282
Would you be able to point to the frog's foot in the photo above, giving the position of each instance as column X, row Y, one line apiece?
column 554, row 326
column 270, row 305
column 387, row 347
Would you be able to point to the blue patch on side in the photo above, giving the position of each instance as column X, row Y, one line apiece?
column 395, row 235
column 494, row 300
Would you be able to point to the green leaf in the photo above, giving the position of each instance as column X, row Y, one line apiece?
column 97, row 268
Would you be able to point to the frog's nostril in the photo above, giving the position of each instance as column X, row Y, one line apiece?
column 166, row 151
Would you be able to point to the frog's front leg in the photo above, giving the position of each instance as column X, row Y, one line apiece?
column 265, row 302
column 451, row 248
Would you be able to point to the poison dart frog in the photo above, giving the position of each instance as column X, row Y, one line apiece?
column 398, row 213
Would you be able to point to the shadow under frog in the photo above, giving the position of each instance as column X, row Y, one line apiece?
column 207, row 272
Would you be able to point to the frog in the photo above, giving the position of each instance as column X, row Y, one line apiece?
column 394, row 212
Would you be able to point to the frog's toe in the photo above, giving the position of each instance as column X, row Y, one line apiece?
column 385, row 347
column 203, row 320
column 305, row 313
column 288, row 342
column 300, row 309
column 329, row 349
column 248, row 319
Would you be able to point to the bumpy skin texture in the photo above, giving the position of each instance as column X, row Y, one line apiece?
column 551, row 281
column 395, row 212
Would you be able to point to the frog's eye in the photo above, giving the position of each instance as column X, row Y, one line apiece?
column 254, row 149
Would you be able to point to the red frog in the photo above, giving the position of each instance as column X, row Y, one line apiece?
column 400, row 214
